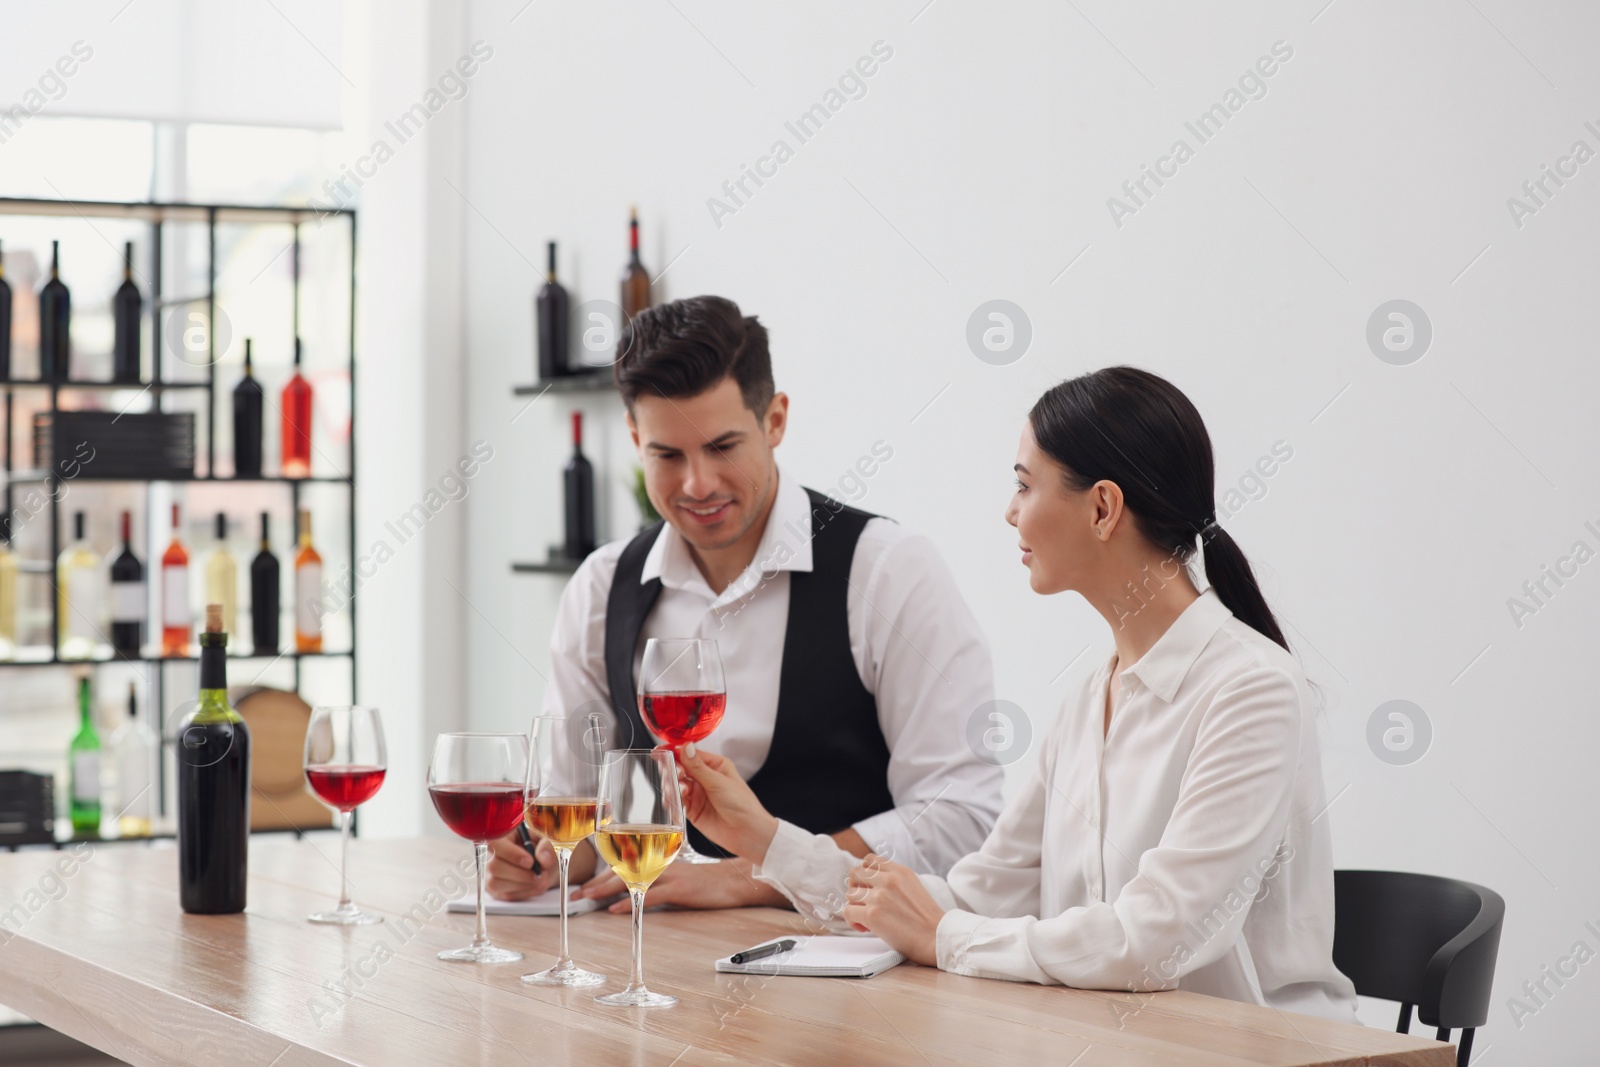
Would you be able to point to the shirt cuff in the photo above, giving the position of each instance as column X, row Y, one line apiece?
column 953, row 939
column 809, row 869
column 889, row 835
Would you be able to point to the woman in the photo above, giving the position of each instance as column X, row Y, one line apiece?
column 1170, row 832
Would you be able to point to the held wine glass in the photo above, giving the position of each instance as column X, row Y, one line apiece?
column 681, row 699
column 476, row 783
column 641, row 829
column 563, row 797
column 345, row 762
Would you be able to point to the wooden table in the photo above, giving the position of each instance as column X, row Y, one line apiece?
column 105, row 955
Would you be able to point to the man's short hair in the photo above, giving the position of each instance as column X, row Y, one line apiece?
column 686, row 347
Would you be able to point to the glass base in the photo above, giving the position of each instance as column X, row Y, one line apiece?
column 481, row 954
column 568, row 974
column 637, row 998
column 345, row 915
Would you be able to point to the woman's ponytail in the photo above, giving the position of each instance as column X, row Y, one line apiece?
column 1159, row 441
column 1230, row 575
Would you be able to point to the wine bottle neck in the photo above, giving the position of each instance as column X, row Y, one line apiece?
column 213, row 668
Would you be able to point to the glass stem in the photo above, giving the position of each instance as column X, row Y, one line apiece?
column 563, row 857
column 638, row 939
column 344, row 862
column 480, row 851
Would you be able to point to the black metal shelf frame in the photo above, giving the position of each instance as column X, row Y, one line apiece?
column 157, row 215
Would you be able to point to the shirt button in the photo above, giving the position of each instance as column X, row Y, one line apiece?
column 1094, row 892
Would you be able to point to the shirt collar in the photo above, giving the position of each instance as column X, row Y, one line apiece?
column 1163, row 668
column 785, row 546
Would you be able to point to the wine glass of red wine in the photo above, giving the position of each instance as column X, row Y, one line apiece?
column 345, row 763
column 681, row 699
column 476, row 783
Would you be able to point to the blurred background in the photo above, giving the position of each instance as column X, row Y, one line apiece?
column 1358, row 235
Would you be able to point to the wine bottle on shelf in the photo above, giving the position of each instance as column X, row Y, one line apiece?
column 578, row 485
column 78, row 600
column 554, row 317
column 127, row 308
column 8, row 592
column 222, row 578
column 297, row 423
column 84, row 768
column 55, row 322
column 307, row 591
column 247, row 424
column 134, row 745
column 175, row 618
column 213, row 788
column 264, row 595
column 5, row 322
column 127, row 597
column 635, row 281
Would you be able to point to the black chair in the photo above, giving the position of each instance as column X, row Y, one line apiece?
column 1427, row 942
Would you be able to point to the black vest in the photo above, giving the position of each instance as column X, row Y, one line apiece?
column 828, row 765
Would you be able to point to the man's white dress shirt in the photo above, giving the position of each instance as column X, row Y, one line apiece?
column 1185, row 849
column 916, row 646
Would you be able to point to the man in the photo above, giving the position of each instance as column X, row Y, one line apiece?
column 852, row 663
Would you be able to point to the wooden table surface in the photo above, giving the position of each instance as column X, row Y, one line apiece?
column 105, row 955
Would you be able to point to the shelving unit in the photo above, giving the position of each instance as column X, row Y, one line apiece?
column 158, row 216
column 595, row 382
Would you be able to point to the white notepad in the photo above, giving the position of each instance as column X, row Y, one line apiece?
column 547, row 903
column 821, row 956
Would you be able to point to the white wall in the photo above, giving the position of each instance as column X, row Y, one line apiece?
column 976, row 167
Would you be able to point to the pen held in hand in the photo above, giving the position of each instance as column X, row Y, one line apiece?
column 528, row 843
column 751, row 955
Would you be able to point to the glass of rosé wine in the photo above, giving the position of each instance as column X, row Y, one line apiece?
column 681, row 699
column 345, row 763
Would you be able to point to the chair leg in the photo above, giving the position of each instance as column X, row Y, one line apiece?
column 1464, row 1049
column 1404, row 1026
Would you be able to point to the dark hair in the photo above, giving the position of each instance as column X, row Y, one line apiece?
column 687, row 346
column 1138, row 430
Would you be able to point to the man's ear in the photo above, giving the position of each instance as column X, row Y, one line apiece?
column 633, row 430
column 777, row 420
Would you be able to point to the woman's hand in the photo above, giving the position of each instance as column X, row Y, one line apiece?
column 889, row 900
column 721, row 805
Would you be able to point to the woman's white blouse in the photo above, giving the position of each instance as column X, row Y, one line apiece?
column 1188, row 849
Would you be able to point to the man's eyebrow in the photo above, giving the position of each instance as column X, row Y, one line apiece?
column 1021, row 468
column 726, row 438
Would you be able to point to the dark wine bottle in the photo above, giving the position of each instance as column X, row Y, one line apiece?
column 213, row 788
column 553, row 316
column 265, row 591
column 579, row 485
column 5, row 322
column 127, row 597
column 635, row 281
column 126, row 309
column 55, row 322
column 247, row 401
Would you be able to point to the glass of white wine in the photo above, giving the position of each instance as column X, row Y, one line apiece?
column 640, row 831
column 563, row 794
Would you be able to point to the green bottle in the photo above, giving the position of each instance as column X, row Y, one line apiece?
column 84, row 760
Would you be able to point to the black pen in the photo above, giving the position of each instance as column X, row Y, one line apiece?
column 528, row 843
column 750, row 955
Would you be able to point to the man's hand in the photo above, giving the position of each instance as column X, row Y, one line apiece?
column 728, row 884
column 889, row 900
column 510, row 869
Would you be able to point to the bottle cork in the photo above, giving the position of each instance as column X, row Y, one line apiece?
column 213, row 618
